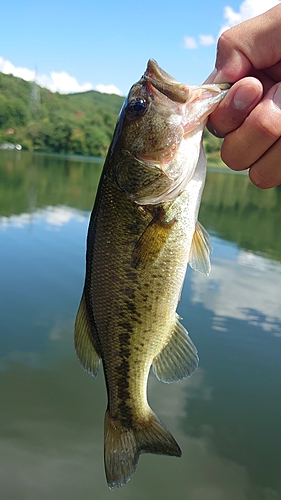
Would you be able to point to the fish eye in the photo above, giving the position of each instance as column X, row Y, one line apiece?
column 136, row 107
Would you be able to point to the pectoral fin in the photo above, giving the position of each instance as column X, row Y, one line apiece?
column 201, row 249
column 152, row 240
column 178, row 359
column 85, row 350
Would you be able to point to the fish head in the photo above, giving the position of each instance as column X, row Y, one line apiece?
column 153, row 152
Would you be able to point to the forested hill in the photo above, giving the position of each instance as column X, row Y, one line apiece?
column 81, row 123
column 40, row 120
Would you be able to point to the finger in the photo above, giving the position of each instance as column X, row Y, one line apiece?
column 274, row 72
column 265, row 80
column 229, row 73
column 260, row 130
column 266, row 172
column 252, row 44
column 241, row 98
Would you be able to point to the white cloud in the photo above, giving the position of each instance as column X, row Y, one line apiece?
column 65, row 84
column 56, row 82
column 8, row 68
column 247, row 10
column 206, row 40
column 108, row 89
column 190, row 43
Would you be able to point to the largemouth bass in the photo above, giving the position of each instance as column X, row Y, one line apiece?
column 143, row 232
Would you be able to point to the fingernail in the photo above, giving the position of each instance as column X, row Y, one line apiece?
column 219, row 76
column 277, row 96
column 243, row 98
column 211, row 77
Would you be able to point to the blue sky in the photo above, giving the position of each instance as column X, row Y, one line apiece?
column 104, row 45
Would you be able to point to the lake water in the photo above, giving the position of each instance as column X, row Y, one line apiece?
column 226, row 417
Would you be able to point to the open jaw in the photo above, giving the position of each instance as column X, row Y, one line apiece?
column 173, row 164
column 164, row 83
column 190, row 104
column 205, row 97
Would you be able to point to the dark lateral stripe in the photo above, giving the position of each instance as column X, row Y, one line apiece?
column 123, row 376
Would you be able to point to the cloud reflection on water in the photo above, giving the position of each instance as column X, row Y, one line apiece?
column 52, row 216
column 53, row 444
column 245, row 287
column 52, row 412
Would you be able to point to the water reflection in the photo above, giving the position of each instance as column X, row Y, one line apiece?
column 226, row 417
column 29, row 181
column 243, row 289
column 239, row 212
column 40, row 277
column 241, row 361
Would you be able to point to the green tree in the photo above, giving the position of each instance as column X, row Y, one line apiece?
column 96, row 141
column 45, row 121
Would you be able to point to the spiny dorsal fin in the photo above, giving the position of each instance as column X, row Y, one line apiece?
column 178, row 359
column 201, row 249
column 85, row 350
column 152, row 240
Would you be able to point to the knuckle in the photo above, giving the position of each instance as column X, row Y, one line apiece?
column 265, row 173
column 225, row 41
column 258, row 179
column 267, row 127
column 231, row 154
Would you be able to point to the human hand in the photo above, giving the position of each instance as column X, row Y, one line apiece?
column 249, row 117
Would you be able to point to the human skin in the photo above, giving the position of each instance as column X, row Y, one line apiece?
column 249, row 118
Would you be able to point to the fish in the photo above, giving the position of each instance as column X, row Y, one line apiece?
column 143, row 232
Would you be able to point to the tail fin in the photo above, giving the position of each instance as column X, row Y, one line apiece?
column 123, row 446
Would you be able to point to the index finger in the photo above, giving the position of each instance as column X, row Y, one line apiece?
column 241, row 98
column 252, row 44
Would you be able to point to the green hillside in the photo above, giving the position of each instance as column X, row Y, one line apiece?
column 40, row 120
column 82, row 123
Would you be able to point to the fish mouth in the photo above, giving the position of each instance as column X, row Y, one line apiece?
column 203, row 100
column 176, row 91
column 191, row 105
column 165, row 83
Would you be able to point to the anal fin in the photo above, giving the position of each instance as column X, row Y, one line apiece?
column 178, row 359
column 85, row 350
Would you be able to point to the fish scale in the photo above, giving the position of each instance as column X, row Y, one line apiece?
column 127, row 315
column 142, row 234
